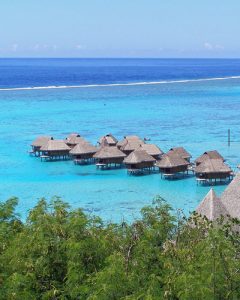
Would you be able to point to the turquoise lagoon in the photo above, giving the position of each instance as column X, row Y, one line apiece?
column 195, row 115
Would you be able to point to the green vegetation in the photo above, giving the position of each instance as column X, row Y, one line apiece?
column 59, row 253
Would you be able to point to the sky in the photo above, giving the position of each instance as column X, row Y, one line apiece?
column 123, row 28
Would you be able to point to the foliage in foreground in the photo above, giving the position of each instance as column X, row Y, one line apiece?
column 59, row 253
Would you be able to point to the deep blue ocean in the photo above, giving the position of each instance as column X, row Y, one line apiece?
column 190, row 103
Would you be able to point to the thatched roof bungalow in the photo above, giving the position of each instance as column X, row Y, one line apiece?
column 139, row 159
column 213, row 169
column 39, row 142
column 109, row 155
column 152, row 150
column 56, row 148
column 181, row 152
column 172, row 164
column 108, row 140
column 83, row 151
column 213, row 154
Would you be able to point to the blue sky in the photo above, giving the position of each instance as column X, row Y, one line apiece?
column 124, row 28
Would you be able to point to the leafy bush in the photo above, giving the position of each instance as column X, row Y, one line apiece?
column 59, row 253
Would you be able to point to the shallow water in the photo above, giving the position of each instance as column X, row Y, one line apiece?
column 195, row 115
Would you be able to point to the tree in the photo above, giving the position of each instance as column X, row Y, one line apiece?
column 59, row 253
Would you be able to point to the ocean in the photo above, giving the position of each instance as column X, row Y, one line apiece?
column 174, row 102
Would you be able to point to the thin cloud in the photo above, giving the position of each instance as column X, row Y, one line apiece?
column 45, row 47
column 209, row 46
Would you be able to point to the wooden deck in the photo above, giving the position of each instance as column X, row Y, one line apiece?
column 108, row 166
column 84, row 161
column 214, row 181
column 141, row 171
column 45, row 157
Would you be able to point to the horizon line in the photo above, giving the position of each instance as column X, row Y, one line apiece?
column 117, row 57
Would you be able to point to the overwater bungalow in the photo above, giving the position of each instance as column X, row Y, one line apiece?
column 55, row 149
column 171, row 165
column 139, row 161
column 38, row 143
column 73, row 139
column 83, row 153
column 129, row 138
column 228, row 204
column 108, row 156
column 213, row 170
column 108, row 140
column 180, row 151
column 213, row 154
column 152, row 150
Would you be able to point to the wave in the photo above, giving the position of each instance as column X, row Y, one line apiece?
column 117, row 84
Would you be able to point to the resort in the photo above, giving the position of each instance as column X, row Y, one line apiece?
column 120, row 153
column 137, row 156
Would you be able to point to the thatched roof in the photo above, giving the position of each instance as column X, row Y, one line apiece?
column 108, row 139
column 74, row 140
column 171, row 161
column 138, row 156
column 213, row 166
column 109, row 152
column 212, row 207
column 227, row 205
column 180, row 151
column 83, row 148
column 213, row 154
column 129, row 138
column 131, row 145
column 231, row 197
column 55, row 145
column 151, row 149
column 41, row 140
